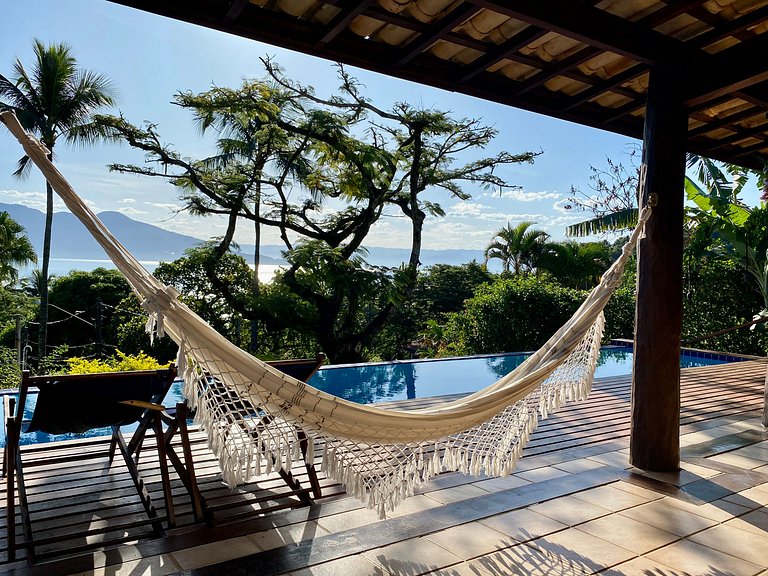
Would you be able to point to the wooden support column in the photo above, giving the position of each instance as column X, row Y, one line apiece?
column 655, row 437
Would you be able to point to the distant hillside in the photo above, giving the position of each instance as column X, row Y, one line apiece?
column 71, row 240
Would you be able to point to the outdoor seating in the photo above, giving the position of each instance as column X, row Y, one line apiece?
column 78, row 404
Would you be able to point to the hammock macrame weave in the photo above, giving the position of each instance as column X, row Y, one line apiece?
column 380, row 455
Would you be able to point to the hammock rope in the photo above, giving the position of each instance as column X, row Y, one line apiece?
column 380, row 455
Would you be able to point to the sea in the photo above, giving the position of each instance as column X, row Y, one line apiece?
column 63, row 266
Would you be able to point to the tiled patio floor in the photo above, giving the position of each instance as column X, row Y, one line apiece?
column 575, row 506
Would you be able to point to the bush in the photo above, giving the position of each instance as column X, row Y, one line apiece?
column 512, row 314
column 118, row 363
column 10, row 375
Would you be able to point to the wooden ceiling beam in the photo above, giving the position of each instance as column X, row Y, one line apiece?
column 608, row 85
column 547, row 74
column 726, row 72
column 726, row 122
column 738, row 136
column 437, row 31
column 341, row 21
column 595, row 27
column 508, row 48
column 235, row 10
column 732, row 28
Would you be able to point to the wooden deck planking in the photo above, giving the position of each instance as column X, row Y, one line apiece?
column 89, row 498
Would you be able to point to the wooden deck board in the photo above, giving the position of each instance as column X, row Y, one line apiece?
column 87, row 503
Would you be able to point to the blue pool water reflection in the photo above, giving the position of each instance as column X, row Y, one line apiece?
column 407, row 379
column 422, row 378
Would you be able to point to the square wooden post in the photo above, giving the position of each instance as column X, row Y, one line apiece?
column 655, row 436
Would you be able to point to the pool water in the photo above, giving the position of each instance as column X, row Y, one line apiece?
column 405, row 379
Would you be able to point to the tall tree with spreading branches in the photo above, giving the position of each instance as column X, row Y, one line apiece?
column 333, row 168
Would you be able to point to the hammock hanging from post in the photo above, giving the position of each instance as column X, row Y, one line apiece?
column 380, row 455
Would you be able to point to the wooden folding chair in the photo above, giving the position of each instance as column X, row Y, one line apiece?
column 247, row 413
column 77, row 404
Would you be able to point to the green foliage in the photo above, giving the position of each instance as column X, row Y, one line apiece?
column 718, row 295
column 15, row 249
column 55, row 362
column 77, row 293
column 519, row 248
column 10, row 375
column 120, row 362
column 512, row 314
column 440, row 290
column 130, row 320
column 576, row 265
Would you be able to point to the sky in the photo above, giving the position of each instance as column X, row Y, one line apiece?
column 150, row 58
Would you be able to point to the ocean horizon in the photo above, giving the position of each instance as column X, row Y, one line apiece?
column 63, row 266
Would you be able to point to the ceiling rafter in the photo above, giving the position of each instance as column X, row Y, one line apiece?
column 731, row 28
column 437, row 31
column 342, row 20
column 508, row 48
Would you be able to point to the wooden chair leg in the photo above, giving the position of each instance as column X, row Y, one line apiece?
column 10, row 487
column 310, row 466
column 199, row 509
column 146, row 501
column 165, row 477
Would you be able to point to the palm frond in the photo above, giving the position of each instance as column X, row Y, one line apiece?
column 619, row 220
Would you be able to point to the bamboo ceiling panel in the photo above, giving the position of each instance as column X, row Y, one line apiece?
column 583, row 61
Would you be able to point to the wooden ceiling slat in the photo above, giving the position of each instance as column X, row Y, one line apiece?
column 235, row 10
column 342, row 20
column 731, row 70
column 609, row 85
column 710, row 125
column 593, row 26
column 553, row 71
column 738, row 136
column 508, row 48
column 732, row 28
column 437, row 31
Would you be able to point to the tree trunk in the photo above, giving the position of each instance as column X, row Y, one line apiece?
column 42, row 335
column 256, row 263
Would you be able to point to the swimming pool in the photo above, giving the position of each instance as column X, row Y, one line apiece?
column 399, row 380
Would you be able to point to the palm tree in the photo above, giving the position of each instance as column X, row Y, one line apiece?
column 574, row 264
column 56, row 99
column 517, row 247
column 15, row 249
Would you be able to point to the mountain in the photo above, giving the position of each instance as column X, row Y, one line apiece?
column 70, row 240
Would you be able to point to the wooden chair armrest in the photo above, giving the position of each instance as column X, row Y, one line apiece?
column 145, row 405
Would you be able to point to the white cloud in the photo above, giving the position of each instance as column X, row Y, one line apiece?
column 467, row 209
column 131, row 211
column 560, row 206
column 164, row 206
column 523, row 195
column 127, row 201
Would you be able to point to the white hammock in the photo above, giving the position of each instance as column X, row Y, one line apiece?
column 380, row 455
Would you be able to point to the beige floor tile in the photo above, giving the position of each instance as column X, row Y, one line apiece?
column 628, row 533
column 615, row 459
column 215, row 552
column 668, row 518
column 746, row 545
column 570, row 510
column 348, row 520
column 496, row 484
column 523, row 524
column 463, row 569
column 579, row 465
column 525, row 560
column 639, row 490
column 457, row 493
column 755, row 521
column 276, row 537
column 695, row 559
column 349, row 566
column 735, row 459
column 640, row 567
column 413, row 505
column 541, row 474
column 709, row 510
column 471, row 540
column 414, row 556
column 583, row 549
column 611, row 498
column 149, row 566
column 731, row 507
column 757, row 494
column 700, row 471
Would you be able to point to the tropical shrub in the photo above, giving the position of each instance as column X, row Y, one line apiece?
column 120, row 362
column 10, row 375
